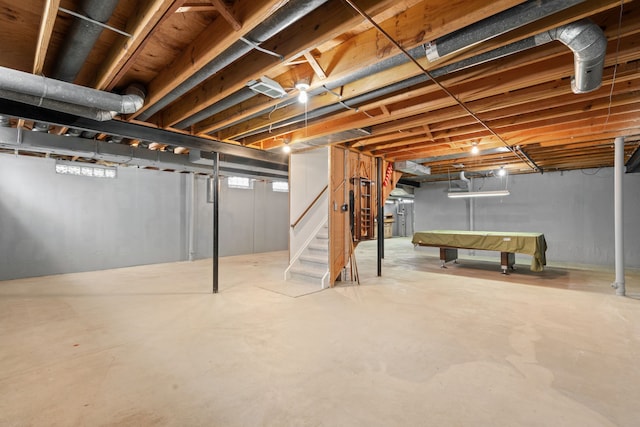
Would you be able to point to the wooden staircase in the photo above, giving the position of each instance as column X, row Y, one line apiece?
column 313, row 264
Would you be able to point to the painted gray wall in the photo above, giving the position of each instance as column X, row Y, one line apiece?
column 250, row 221
column 573, row 209
column 52, row 223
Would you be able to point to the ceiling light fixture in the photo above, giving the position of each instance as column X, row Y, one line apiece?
column 502, row 171
column 267, row 86
column 286, row 148
column 468, row 194
column 303, row 97
column 474, row 148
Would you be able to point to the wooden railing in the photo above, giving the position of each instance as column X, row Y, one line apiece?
column 306, row 211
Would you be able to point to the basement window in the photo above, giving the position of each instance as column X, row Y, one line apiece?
column 88, row 170
column 280, row 186
column 240, row 182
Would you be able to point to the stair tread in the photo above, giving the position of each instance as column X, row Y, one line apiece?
column 319, row 259
column 310, row 272
column 318, row 247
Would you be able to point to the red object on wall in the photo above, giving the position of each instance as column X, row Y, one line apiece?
column 387, row 176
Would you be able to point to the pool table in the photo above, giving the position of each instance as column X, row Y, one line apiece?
column 507, row 242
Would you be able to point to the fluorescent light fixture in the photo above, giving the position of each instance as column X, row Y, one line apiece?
column 467, row 194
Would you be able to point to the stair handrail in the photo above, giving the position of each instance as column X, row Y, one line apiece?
column 306, row 211
column 304, row 246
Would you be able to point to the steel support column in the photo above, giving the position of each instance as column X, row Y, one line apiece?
column 216, row 209
column 380, row 215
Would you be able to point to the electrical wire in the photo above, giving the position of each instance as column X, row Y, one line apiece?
column 437, row 83
column 615, row 67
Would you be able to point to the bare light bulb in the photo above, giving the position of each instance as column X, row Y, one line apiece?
column 303, row 97
column 502, row 171
column 475, row 149
column 286, row 148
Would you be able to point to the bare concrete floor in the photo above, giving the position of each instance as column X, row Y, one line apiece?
column 464, row 346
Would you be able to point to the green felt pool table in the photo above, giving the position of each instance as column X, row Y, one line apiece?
column 507, row 242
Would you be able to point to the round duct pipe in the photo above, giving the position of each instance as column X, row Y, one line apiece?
column 40, row 127
column 281, row 19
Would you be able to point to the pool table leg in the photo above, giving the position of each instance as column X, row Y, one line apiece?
column 507, row 261
column 446, row 255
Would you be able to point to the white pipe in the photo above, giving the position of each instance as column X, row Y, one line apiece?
column 472, row 223
column 192, row 218
column 618, row 285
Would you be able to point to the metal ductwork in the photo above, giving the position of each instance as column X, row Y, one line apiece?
column 41, row 127
column 584, row 38
column 466, row 180
column 503, row 22
column 228, row 102
column 394, row 61
column 412, row 168
column 508, row 20
column 589, row 46
column 284, row 17
column 82, row 37
column 68, row 97
column 80, row 111
column 493, row 26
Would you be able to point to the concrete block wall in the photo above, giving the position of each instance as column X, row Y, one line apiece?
column 52, row 223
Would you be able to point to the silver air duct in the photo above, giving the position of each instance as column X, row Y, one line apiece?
column 67, row 97
column 413, row 168
column 589, row 46
column 82, row 37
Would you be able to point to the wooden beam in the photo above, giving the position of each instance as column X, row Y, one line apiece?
column 195, row 7
column 214, row 40
column 49, row 15
column 530, row 57
column 314, row 64
column 141, row 26
column 412, row 28
column 315, row 28
column 227, row 14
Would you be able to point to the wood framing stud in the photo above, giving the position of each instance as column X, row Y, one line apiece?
column 196, row 7
column 314, row 64
column 227, row 14
column 49, row 15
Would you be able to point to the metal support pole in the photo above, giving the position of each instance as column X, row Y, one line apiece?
column 618, row 172
column 380, row 216
column 216, row 208
column 191, row 206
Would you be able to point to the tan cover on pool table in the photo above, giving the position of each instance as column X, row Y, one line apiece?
column 532, row 244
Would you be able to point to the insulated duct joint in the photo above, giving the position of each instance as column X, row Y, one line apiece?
column 589, row 46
